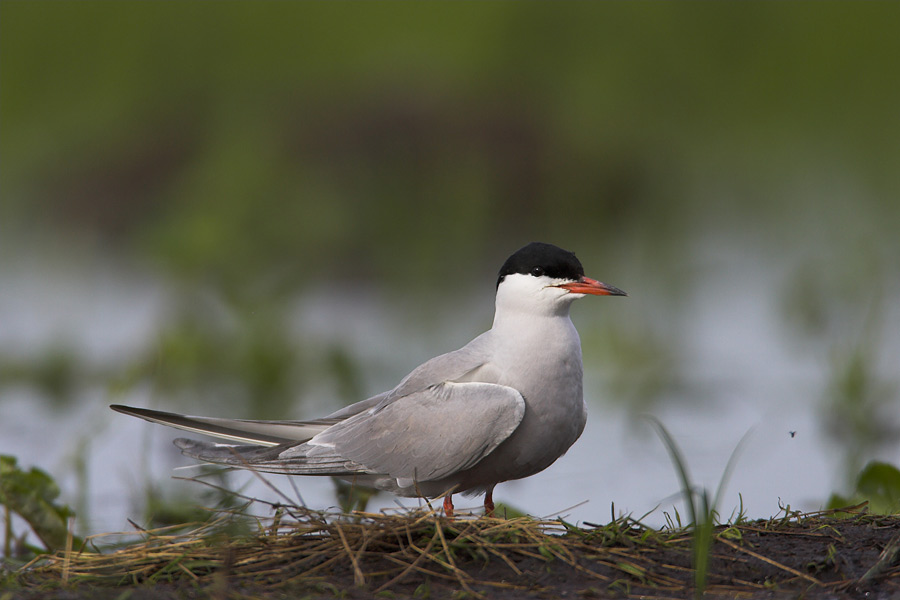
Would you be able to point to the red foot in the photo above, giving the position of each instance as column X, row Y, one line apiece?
column 489, row 504
column 448, row 505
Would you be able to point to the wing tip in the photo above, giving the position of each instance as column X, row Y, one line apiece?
column 143, row 413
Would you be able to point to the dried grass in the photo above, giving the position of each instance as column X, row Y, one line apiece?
column 481, row 557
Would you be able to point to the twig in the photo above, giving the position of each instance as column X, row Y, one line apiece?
column 412, row 565
column 67, row 557
column 774, row 563
column 358, row 577
column 885, row 561
column 461, row 576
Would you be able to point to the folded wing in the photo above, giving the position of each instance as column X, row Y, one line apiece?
column 425, row 436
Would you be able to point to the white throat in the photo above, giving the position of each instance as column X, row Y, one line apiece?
column 523, row 297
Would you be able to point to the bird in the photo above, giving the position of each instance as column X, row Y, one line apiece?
column 505, row 406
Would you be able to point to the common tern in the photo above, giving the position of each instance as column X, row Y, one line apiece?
column 504, row 406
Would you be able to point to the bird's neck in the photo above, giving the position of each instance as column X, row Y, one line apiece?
column 519, row 310
column 522, row 323
column 535, row 347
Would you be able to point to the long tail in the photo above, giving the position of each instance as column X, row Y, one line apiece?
column 267, row 446
column 263, row 433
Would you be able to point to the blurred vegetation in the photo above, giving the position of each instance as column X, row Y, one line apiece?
column 247, row 152
column 32, row 495
column 878, row 484
column 259, row 146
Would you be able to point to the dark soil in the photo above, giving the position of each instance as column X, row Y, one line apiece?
column 810, row 557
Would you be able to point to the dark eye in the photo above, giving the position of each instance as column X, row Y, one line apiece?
column 537, row 271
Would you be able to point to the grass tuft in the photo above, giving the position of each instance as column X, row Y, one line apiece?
column 419, row 554
column 702, row 509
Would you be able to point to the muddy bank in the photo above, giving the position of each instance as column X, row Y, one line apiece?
column 421, row 555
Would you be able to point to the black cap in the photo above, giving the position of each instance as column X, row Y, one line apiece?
column 538, row 258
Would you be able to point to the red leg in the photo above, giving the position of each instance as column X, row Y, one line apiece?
column 448, row 505
column 489, row 504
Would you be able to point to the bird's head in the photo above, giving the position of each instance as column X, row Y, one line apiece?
column 544, row 278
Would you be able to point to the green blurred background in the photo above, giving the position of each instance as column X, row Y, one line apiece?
column 246, row 153
column 237, row 141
